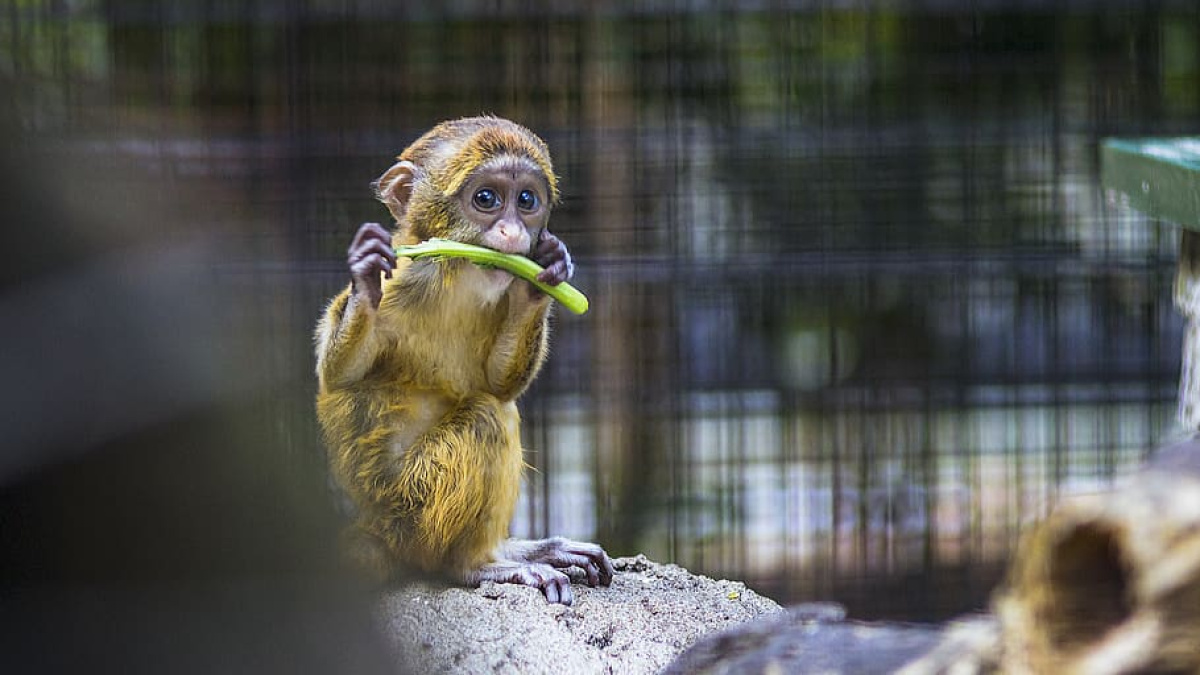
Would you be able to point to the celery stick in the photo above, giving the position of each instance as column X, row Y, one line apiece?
column 518, row 265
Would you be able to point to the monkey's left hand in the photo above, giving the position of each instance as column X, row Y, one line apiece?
column 550, row 252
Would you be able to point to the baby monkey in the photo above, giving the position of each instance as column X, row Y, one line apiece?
column 420, row 364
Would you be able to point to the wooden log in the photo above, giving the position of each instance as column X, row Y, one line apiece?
column 1110, row 583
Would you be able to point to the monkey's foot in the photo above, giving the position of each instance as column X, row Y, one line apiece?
column 555, row 585
column 562, row 553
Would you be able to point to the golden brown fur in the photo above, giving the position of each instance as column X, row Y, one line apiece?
column 417, row 395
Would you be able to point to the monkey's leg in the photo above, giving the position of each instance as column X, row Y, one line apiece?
column 480, row 439
column 443, row 502
column 346, row 340
column 563, row 553
column 368, row 553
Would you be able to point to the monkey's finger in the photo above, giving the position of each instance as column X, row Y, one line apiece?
column 359, row 235
column 588, row 556
column 563, row 559
column 554, row 274
column 548, row 251
column 370, row 267
column 373, row 245
column 562, row 585
column 598, row 557
column 606, row 569
column 593, row 574
column 545, row 236
column 369, row 231
column 371, row 262
column 550, row 590
column 555, row 585
column 546, row 241
column 374, row 248
column 557, row 256
column 546, row 256
column 551, row 583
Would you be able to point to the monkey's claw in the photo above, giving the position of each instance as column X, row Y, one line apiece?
column 555, row 585
column 563, row 553
column 589, row 557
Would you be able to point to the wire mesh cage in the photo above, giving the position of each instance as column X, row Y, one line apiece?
column 860, row 308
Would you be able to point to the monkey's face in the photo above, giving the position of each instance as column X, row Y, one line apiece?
column 506, row 202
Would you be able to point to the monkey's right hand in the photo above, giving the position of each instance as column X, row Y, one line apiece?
column 370, row 254
column 555, row 585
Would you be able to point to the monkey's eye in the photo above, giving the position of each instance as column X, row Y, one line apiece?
column 527, row 200
column 486, row 199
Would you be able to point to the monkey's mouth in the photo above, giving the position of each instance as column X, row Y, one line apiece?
column 524, row 252
column 498, row 275
column 517, row 250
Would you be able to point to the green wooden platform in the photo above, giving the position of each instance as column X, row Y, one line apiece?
column 1161, row 176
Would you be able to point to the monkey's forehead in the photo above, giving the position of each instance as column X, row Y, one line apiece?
column 497, row 144
column 507, row 164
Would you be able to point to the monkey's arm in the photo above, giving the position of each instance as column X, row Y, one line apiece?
column 520, row 346
column 347, row 342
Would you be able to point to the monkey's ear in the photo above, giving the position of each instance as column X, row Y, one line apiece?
column 395, row 186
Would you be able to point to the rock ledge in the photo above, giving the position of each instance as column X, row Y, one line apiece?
column 650, row 614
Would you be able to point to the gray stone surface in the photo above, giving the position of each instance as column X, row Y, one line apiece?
column 807, row 642
column 650, row 614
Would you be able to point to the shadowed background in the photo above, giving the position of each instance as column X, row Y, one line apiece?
column 859, row 306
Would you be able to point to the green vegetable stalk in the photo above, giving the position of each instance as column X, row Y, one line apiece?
column 518, row 265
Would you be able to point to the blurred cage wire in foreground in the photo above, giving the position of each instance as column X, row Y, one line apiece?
column 859, row 306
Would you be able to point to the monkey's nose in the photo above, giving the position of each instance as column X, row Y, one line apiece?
column 508, row 237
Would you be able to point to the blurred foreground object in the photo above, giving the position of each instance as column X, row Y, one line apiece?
column 1110, row 583
column 151, row 517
